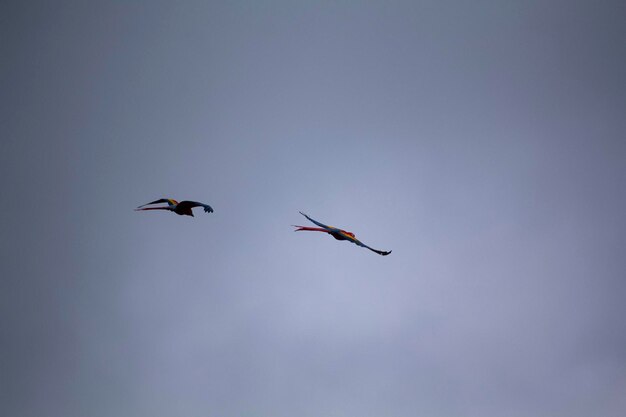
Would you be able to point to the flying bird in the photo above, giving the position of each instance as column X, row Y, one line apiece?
column 337, row 234
column 182, row 208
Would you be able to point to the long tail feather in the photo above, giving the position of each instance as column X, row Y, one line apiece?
column 309, row 229
column 153, row 208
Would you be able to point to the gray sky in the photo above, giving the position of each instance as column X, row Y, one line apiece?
column 483, row 142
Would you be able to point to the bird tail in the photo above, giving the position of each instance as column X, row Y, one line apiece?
column 310, row 229
column 153, row 208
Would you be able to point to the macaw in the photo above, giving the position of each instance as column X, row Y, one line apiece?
column 182, row 208
column 337, row 234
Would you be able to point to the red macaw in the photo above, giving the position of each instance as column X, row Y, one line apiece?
column 337, row 234
column 182, row 208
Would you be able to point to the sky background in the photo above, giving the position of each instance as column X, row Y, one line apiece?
column 483, row 142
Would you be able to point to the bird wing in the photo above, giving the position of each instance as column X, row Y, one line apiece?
column 329, row 228
column 169, row 201
column 363, row 245
column 191, row 204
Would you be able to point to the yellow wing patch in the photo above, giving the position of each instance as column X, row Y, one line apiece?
column 348, row 236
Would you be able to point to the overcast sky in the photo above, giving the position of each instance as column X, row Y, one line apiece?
column 483, row 142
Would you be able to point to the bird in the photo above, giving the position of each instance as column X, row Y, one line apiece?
column 182, row 209
column 338, row 234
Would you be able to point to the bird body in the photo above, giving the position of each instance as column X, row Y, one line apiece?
column 182, row 208
column 338, row 234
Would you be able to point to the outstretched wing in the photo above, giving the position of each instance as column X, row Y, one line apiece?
column 380, row 252
column 329, row 228
column 191, row 204
column 169, row 201
column 363, row 245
